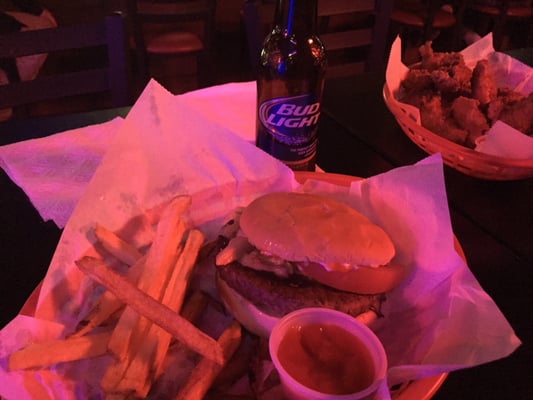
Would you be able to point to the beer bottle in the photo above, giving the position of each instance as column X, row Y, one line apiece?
column 290, row 83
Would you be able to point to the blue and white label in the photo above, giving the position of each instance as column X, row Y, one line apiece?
column 291, row 120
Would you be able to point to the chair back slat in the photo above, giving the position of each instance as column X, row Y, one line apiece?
column 55, row 86
column 337, row 7
column 38, row 41
column 359, row 43
column 346, row 39
column 346, row 69
column 173, row 11
column 113, row 77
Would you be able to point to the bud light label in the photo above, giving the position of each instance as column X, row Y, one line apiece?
column 287, row 130
column 291, row 120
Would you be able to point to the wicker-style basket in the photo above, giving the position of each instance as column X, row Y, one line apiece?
column 463, row 159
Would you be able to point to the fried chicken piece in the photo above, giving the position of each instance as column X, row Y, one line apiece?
column 510, row 96
column 483, row 84
column 505, row 97
column 416, row 85
column 417, row 80
column 454, row 80
column 449, row 73
column 463, row 75
column 466, row 113
column 432, row 60
column 458, row 103
column 519, row 115
column 437, row 119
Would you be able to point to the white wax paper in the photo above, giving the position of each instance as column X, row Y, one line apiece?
column 61, row 165
column 438, row 320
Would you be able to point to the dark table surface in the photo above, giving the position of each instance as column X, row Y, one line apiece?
column 492, row 220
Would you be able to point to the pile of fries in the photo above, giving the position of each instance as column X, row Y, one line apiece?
column 142, row 314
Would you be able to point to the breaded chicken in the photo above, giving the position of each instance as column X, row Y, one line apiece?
column 483, row 84
column 437, row 119
column 506, row 97
column 432, row 60
column 449, row 73
column 452, row 81
column 519, row 115
column 458, row 103
column 466, row 113
column 416, row 85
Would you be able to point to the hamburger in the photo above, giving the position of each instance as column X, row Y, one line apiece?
column 292, row 250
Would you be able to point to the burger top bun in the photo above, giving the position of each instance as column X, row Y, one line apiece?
column 309, row 227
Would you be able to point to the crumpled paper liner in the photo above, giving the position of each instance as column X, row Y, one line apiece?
column 438, row 320
column 501, row 139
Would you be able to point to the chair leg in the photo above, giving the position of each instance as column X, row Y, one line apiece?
column 251, row 20
column 529, row 40
column 143, row 66
column 204, row 67
column 498, row 32
column 459, row 29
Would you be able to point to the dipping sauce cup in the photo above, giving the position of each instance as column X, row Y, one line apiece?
column 325, row 354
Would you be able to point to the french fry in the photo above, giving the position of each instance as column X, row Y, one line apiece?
column 108, row 304
column 205, row 372
column 182, row 271
column 174, row 297
column 194, row 306
column 116, row 396
column 238, row 365
column 160, row 259
column 155, row 344
column 150, row 310
column 124, row 252
column 116, row 246
column 145, row 305
column 163, row 253
column 113, row 376
column 61, row 350
column 136, row 377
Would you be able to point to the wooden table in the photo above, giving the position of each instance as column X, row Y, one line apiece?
column 493, row 221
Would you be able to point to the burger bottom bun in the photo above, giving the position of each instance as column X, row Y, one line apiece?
column 249, row 316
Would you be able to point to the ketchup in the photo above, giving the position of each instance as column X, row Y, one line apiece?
column 326, row 358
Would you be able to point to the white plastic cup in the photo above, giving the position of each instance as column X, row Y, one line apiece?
column 295, row 390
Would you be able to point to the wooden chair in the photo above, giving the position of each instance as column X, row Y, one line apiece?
column 354, row 33
column 110, row 78
column 163, row 28
column 500, row 18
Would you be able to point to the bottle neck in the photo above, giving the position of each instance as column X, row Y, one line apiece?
column 296, row 16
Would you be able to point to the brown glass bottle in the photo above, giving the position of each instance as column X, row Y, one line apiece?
column 290, row 83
